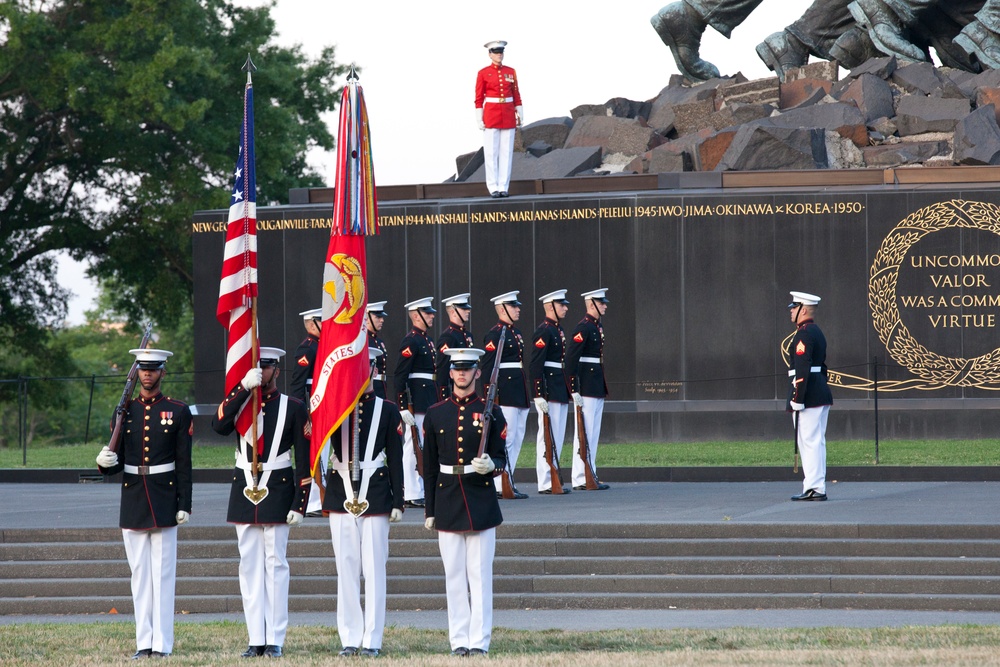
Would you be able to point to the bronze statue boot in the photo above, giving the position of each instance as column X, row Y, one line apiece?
column 680, row 28
column 980, row 42
column 782, row 51
column 853, row 48
column 885, row 29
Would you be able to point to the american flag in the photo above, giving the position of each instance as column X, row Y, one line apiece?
column 238, row 285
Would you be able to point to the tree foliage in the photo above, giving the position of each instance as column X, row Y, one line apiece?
column 119, row 119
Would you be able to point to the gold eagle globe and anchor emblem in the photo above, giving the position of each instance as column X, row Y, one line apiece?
column 344, row 285
column 933, row 370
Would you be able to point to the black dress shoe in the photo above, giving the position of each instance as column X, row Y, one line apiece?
column 461, row 651
column 601, row 486
column 496, row 195
column 252, row 652
column 811, row 494
column 414, row 503
column 502, row 194
column 370, row 652
column 477, row 651
column 142, row 653
column 272, row 651
column 158, row 654
column 348, row 651
column 548, row 492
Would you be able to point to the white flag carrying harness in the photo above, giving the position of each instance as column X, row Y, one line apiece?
column 244, row 457
column 357, row 505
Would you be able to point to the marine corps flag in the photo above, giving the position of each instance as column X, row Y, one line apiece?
column 341, row 372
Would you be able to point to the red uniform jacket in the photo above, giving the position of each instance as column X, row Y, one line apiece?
column 498, row 82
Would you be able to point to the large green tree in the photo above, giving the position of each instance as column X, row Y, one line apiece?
column 118, row 119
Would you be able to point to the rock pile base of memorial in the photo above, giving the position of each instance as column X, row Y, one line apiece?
column 882, row 114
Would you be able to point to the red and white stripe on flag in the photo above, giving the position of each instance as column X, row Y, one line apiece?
column 238, row 284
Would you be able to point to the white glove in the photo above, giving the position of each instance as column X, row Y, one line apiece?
column 107, row 458
column 479, row 118
column 577, row 399
column 797, row 406
column 407, row 418
column 396, row 515
column 252, row 378
column 294, row 518
column 182, row 517
column 483, row 464
column 429, row 523
column 519, row 110
column 542, row 405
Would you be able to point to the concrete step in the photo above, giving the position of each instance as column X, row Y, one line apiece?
column 576, row 566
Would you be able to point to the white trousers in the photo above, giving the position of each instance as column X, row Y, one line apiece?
column 498, row 152
column 812, row 447
column 468, row 579
column 315, row 501
column 361, row 546
column 264, row 581
column 517, row 419
column 152, row 557
column 413, row 483
column 593, row 413
column 557, row 417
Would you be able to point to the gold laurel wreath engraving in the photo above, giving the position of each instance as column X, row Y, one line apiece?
column 936, row 370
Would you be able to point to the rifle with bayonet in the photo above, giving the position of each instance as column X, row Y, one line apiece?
column 418, row 449
column 584, row 450
column 550, row 446
column 491, row 396
column 133, row 375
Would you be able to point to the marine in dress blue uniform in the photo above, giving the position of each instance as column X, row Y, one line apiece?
column 512, row 386
column 301, row 388
column 262, row 524
column 585, row 365
column 155, row 456
column 456, row 335
column 547, row 377
column 374, row 320
column 809, row 397
column 461, row 502
column 415, row 370
column 364, row 494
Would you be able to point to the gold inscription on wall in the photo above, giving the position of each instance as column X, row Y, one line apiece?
column 658, row 212
column 956, row 291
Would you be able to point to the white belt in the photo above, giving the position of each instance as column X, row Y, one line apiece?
column 553, row 364
column 812, row 369
column 282, row 461
column 498, row 100
column 344, row 466
column 149, row 470
column 457, row 470
column 590, row 360
column 421, row 376
column 379, row 376
column 512, row 364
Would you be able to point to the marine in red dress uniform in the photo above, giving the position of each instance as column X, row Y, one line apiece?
column 499, row 110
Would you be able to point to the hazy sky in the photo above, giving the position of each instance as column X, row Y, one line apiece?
column 420, row 59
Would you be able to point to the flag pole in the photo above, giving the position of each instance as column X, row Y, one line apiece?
column 249, row 68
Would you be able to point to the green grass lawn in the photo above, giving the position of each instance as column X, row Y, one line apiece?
column 219, row 643
column 664, row 454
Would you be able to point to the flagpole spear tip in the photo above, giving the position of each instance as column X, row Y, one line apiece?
column 353, row 76
column 249, row 67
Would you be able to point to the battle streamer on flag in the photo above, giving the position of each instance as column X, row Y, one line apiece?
column 341, row 373
column 237, row 308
